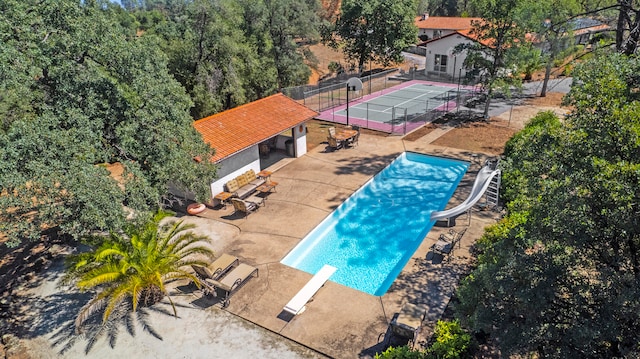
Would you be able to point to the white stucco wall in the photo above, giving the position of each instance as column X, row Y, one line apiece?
column 446, row 46
column 431, row 32
column 300, row 138
column 235, row 165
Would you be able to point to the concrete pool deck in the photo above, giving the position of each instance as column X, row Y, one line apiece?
column 339, row 322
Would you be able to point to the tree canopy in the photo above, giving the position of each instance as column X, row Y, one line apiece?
column 227, row 53
column 501, row 30
column 375, row 30
column 79, row 95
column 560, row 275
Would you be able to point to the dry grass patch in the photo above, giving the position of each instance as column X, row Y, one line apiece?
column 483, row 137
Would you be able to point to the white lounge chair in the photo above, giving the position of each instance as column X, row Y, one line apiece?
column 297, row 304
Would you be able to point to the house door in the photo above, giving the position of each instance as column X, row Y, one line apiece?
column 440, row 63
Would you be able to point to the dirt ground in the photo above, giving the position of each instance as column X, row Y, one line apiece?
column 491, row 137
column 324, row 55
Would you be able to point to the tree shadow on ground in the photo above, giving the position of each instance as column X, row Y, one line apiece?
column 122, row 320
column 431, row 285
column 94, row 329
column 46, row 308
column 367, row 166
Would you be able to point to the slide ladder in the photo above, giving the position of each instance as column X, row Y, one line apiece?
column 493, row 191
column 485, row 179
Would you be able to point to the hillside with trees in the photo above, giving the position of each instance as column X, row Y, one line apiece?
column 89, row 87
column 559, row 275
column 81, row 93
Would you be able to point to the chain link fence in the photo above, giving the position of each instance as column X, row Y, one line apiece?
column 332, row 93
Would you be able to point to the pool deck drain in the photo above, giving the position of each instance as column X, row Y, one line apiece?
column 340, row 322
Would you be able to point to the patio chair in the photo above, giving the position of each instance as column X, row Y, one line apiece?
column 446, row 243
column 233, row 281
column 215, row 270
column 353, row 141
column 332, row 131
column 243, row 206
column 334, row 144
column 273, row 143
column 264, row 150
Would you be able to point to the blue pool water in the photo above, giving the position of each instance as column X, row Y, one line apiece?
column 372, row 235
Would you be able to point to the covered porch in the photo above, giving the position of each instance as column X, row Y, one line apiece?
column 255, row 136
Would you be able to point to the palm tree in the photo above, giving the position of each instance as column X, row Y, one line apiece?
column 133, row 266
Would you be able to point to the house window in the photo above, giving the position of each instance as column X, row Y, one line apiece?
column 437, row 34
column 440, row 63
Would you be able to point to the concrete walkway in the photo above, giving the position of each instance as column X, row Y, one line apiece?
column 340, row 322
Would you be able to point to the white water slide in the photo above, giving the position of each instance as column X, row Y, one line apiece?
column 481, row 184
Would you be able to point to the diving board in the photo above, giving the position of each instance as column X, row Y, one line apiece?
column 297, row 304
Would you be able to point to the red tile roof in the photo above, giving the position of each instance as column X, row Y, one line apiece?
column 234, row 130
column 468, row 34
column 596, row 28
column 445, row 22
column 465, row 33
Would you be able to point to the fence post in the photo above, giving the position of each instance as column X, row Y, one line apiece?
column 447, row 107
column 367, row 110
column 405, row 121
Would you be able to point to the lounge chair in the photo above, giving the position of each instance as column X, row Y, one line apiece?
column 243, row 206
column 215, row 270
column 446, row 243
column 235, row 279
column 408, row 322
column 297, row 304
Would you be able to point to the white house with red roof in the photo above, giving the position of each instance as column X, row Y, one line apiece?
column 443, row 34
column 236, row 134
column 440, row 57
column 440, row 36
column 433, row 27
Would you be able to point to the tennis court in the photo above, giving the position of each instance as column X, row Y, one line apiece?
column 400, row 108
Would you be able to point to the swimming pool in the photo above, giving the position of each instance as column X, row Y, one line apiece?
column 372, row 235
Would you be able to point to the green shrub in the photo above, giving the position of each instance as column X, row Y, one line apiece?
column 403, row 352
column 335, row 67
column 451, row 341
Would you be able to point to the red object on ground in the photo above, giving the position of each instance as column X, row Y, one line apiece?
column 195, row 208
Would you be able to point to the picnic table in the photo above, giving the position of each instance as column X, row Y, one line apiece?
column 346, row 135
